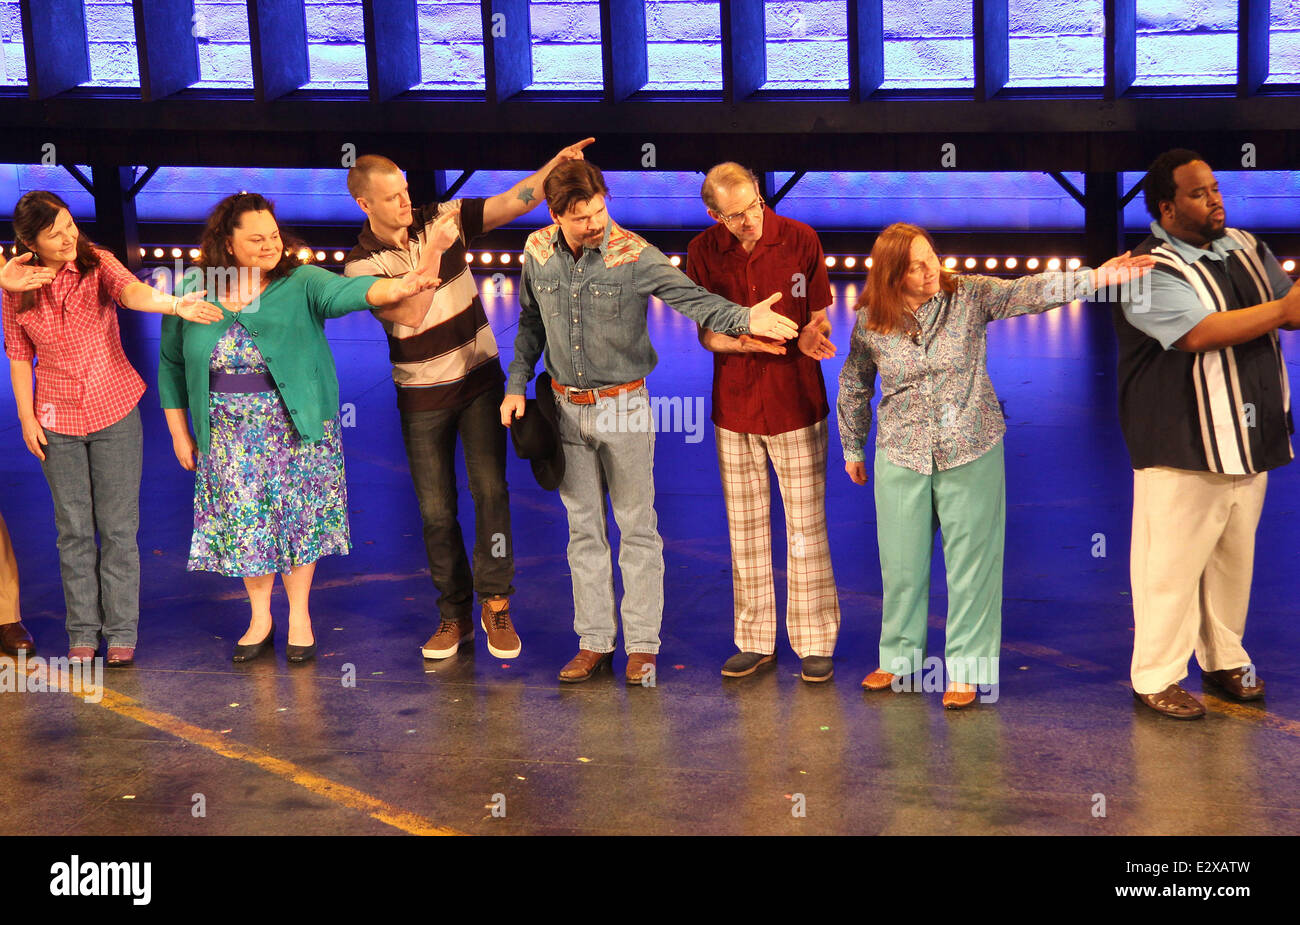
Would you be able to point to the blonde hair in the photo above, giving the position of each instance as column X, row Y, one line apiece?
column 367, row 165
column 726, row 174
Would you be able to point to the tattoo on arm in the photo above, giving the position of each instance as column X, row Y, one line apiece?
column 526, row 195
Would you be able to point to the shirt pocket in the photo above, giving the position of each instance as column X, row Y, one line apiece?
column 606, row 300
column 548, row 296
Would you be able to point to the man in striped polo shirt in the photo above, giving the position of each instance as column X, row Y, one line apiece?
column 449, row 385
column 1205, row 407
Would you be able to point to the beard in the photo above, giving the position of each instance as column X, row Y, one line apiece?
column 1210, row 230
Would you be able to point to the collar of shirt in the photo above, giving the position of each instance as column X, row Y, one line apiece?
column 373, row 243
column 1217, row 250
column 558, row 242
column 773, row 234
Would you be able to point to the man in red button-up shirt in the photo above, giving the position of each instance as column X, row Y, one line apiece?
column 769, row 403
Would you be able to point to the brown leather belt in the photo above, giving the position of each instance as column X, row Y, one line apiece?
column 589, row 396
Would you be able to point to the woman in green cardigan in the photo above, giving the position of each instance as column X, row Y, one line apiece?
column 263, row 395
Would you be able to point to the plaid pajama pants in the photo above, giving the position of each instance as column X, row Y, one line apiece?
column 812, row 613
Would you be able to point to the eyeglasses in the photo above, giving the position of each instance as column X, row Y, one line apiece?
column 753, row 210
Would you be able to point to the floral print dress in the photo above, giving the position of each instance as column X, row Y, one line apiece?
column 264, row 499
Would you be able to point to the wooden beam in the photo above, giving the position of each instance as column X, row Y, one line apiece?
column 166, row 46
column 115, row 220
column 866, row 22
column 507, row 48
column 744, row 48
column 392, row 47
column 623, row 48
column 54, row 41
column 1252, row 45
column 1119, row 47
column 277, row 33
column 992, row 48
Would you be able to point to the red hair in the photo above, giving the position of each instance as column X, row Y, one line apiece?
column 891, row 255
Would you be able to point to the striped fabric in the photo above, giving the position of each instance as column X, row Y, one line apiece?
column 1228, row 408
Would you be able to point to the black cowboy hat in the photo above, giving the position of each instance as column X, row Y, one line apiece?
column 536, row 435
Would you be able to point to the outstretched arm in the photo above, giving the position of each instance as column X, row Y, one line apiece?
column 524, row 196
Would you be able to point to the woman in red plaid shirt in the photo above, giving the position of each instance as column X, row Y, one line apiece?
column 60, row 310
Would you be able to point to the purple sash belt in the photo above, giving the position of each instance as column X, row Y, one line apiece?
column 240, row 382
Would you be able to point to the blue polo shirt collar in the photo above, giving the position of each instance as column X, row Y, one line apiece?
column 1218, row 249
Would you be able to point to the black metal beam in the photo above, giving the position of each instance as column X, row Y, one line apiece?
column 623, row 48
column 1064, row 183
column 166, row 46
column 115, row 220
column 507, row 48
column 1119, row 47
column 392, row 47
column 140, row 181
column 992, row 48
column 866, row 26
column 881, row 134
column 1252, row 45
column 786, row 187
column 54, row 41
column 744, row 48
column 1103, row 217
column 277, row 32
column 80, row 177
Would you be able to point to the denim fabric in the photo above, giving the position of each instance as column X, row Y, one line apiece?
column 609, row 446
column 95, row 483
column 430, row 438
column 590, row 314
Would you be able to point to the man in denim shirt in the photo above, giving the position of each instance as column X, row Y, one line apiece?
column 582, row 301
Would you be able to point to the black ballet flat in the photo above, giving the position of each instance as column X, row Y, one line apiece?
column 248, row 653
column 300, row 654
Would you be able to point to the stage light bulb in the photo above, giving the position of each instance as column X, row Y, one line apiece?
column 338, row 256
column 1011, row 263
column 675, row 260
column 949, row 262
column 1054, row 263
column 850, row 262
column 1289, row 266
column 970, row 263
column 194, row 253
column 1031, row 263
column 830, row 261
column 1075, row 263
column 869, row 262
column 991, row 263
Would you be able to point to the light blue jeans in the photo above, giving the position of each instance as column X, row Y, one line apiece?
column 609, row 454
column 95, row 484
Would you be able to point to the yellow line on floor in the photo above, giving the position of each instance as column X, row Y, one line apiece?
column 341, row 794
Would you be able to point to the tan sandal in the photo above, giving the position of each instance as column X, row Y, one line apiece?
column 878, row 680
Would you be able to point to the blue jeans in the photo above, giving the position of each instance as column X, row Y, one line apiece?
column 95, row 484
column 609, row 447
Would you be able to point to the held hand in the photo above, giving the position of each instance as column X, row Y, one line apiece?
column 191, row 307
column 573, row 152
column 444, row 233
column 511, row 408
column 814, row 342
column 857, row 471
column 1122, row 269
column 184, row 447
column 767, row 323
column 34, row 437
column 417, row 280
column 751, row 344
column 18, row 275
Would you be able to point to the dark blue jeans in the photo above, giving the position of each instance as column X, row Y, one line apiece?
column 95, row 483
column 430, row 438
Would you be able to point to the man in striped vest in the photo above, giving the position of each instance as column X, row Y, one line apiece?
column 1205, row 407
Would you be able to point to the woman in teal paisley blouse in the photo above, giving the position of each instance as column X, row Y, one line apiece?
column 262, row 393
column 938, row 459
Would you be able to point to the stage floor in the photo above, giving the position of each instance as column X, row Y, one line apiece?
column 475, row 745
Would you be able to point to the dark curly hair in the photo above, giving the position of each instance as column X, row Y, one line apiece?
column 221, row 226
column 35, row 212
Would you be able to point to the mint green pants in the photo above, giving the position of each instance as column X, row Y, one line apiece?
column 969, row 505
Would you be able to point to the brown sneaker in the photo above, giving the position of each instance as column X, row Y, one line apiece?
column 503, row 641
column 641, row 669
column 451, row 635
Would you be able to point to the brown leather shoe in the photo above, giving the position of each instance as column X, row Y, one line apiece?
column 641, row 669
column 1230, row 681
column 1173, row 702
column 957, row 700
column 14, row 638
column 878, row 680
column 585, row 664
column 121, row 656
